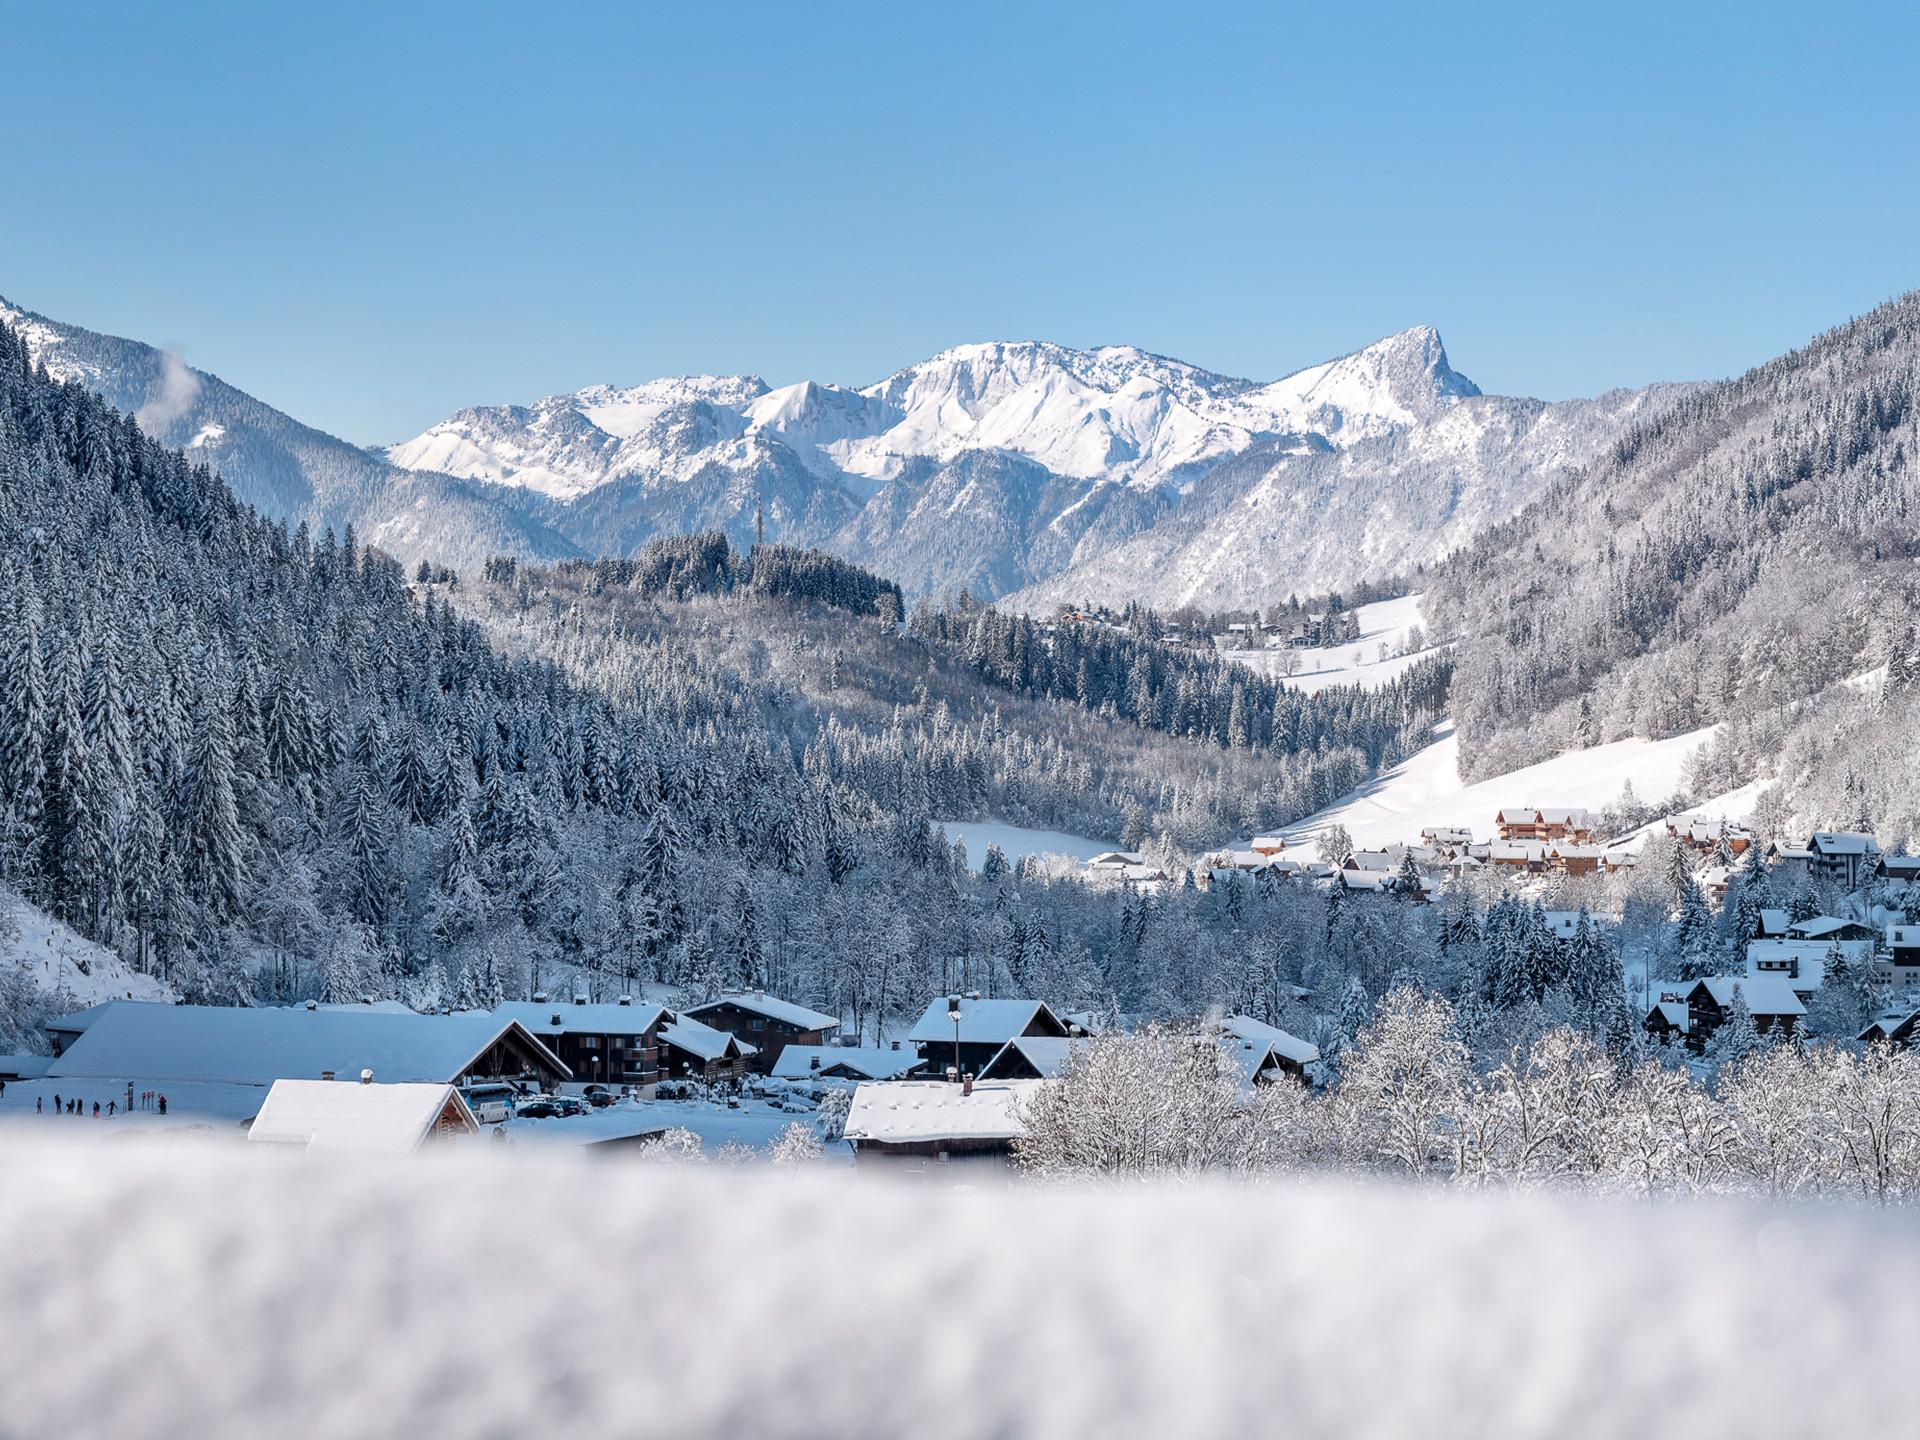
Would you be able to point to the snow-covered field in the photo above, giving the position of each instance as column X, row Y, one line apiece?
column 1426, row 789
column 1384, row 622
column 1017, row 842
column 226, row 1293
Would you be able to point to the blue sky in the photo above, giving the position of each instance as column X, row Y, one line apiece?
column 370, row 219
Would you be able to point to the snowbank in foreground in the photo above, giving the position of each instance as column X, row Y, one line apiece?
column 160, row 1288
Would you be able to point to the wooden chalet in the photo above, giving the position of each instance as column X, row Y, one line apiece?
column 845, row 1062
column 1896, row 1029
column 690, row 1050
column 1773, row 1003
column 1668, row 1018
column 767, row 1023
column 1532, row 822
column 360, row 1116
column 927, row 1126
column 616, row 1045
column 1845, row 857
column 1703, row 836
column 983, row 1029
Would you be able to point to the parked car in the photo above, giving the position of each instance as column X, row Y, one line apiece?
column 549, row 1107
column 599, row 1096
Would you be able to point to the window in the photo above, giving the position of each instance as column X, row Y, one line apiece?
column 757, row 1023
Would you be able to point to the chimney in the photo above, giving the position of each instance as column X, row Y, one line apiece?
column 953, row 1076
column 626, row 1000
column 366, row 1077
column 558, row 1018
column 966, row 1084
column 579, row 997
column 896, row 1044
column 813, row 1062
column 326, row 1074
column 539, row 997
column 313, row 1004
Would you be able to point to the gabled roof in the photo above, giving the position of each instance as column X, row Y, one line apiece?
column 1674, row 1012
column 984, row 1022
column 1774, row 922
column 1843, row 842
column 773, row 1007
column 1822, row 927
column 346, row 1115
column 904, row 1111
column 136, row 1039
column 76, row 1021
column 797, row 1062
column 1903, row 936
column 703, row 1042
column 567, row 1018
column 1047, row 1054
column 1766, row 995
column 1287, row 1046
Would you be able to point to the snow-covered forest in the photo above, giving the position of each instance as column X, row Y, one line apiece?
column 263, row 766
column 1723, row 563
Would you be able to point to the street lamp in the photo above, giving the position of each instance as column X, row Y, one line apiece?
column 953, row 1014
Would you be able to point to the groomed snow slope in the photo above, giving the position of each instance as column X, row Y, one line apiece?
column 232, row 1293
column 1426, row 790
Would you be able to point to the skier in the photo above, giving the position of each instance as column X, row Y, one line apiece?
column 96, row 1109
column 163, row 1104
column 110, row 1105
column 39, row 1104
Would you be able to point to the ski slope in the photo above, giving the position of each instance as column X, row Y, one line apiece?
column 1384, row 622
column 1426, row 789
column 1017, row 842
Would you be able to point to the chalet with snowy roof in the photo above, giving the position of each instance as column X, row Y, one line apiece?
column 1526, row 856
column 767, row 1023
column 845, row 1062
column 1668, row 1020
column 1375, row 860
column 1567, row 858
column 925, row 1126
column 1790, row 861
column 1446, row 837
column 1831, row 927
column 1772, row 924
column 1802, row 963
column 982, row 1029
column 1565, row 924
column 1898, row 967
column 1773, row 1003
column 1032, row 1057
column 1533, row 822
column 1267, row 1052
column 1845, row 857
column 690, row 1050
column 1703, row 836
column 139, row 1040
column 1268, row 844
column 1903, row 869
column 1897, row 1029
column 360, row 1116
column 615, row 1045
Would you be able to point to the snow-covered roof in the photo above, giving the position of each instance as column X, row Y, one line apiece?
column 1370, row 860
column 346, row 1115
column 1047, row 1054
column 1675, row 1013
column 1540, row 815
column 135, row 1039
column 702, row 1041
column 1804, row 961
column 1565, row 924
column 1774, row 922
column 75, row 1022
column 366, row 1007
column 904, row 1111
column 799, row 1062
column 1114, row 859
column 566, row 1018
column 773, row 1007
column 1903, row 936
column 1765, row 994
column 1843, row 842
column 1819, row 927
column 1370, row 880
column 1287, row 1046
column 982, row 1022
column 24, row 1067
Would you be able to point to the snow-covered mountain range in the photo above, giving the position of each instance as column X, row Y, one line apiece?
column 1039, row 473
column 1027, row 472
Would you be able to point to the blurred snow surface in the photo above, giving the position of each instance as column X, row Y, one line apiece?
column 154, row 1287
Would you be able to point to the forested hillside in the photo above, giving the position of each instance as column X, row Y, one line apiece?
column 1723, row 563
column 263, row 766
